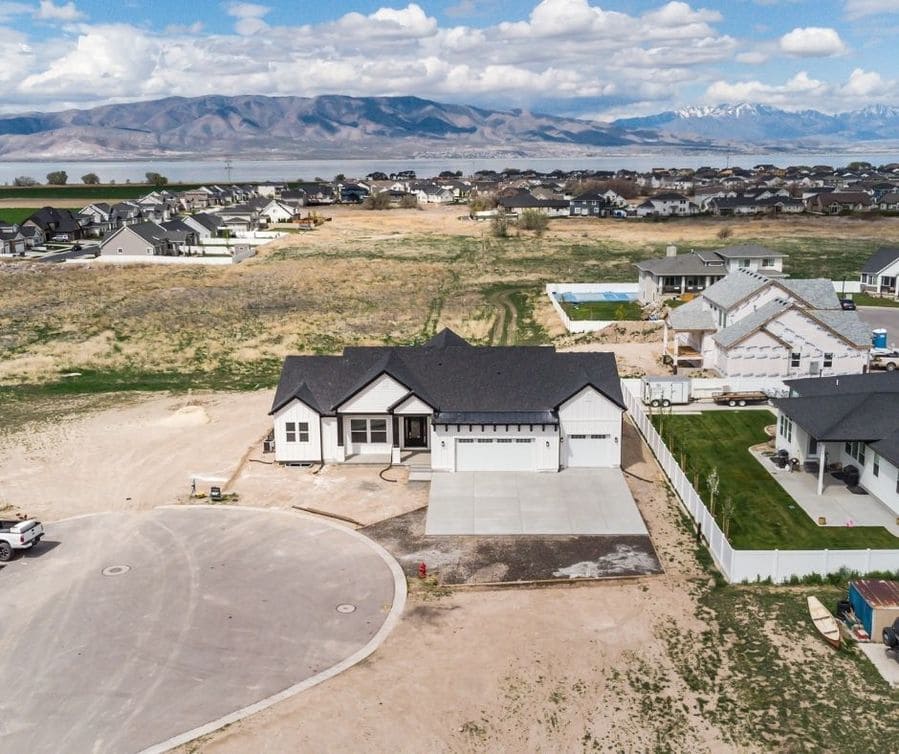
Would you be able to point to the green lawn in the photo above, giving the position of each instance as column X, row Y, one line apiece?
column 863, row 299
column 765, row 516
column 15, row 215
column 604, row 311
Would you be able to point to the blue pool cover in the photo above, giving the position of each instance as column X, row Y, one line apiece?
column 583, row 298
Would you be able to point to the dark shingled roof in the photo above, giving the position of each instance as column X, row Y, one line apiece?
column 862, row 407
column 508, row 384
column 884, row 256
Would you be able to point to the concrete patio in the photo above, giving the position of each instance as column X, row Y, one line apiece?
column 837, row 504
column 572, row 501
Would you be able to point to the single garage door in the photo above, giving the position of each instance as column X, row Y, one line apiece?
column 495, row 454
column 589, row 451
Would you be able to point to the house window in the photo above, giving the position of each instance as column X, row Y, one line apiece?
column 857, row 451
column 302, row 431
column 828, row 360
column 744, row 263
column 120, row 250
column 875, row 465
column 290, row 431
column 794, row 359
column 786, row 428
column 368, row 431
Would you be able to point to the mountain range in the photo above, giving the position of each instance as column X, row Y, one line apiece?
column 296, row 127
column 765, row 126
column 256, row 126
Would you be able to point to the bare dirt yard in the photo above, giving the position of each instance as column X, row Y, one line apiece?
column 364, row 277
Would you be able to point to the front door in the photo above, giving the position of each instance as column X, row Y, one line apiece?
column 415, row 432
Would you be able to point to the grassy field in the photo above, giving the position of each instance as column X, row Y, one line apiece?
column 16, row 215
column 363, row 278
column 765, row 516
column 604, row 311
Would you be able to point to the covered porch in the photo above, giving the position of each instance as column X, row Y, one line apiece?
column 397, row 439
column 825, row 498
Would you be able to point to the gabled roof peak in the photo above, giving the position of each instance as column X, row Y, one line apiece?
column 446, row 338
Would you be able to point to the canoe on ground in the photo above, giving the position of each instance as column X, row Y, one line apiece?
column 825, row 623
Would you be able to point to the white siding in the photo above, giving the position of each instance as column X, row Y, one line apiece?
column 376, row 398
column 883, row 486
column 443, row 443
column 288, row 452
column 413, row 406
column 591, row 413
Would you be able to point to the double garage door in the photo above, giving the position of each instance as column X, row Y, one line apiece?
column 496, row 454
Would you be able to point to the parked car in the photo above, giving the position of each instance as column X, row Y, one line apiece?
column 18, row 535
column 848, row 304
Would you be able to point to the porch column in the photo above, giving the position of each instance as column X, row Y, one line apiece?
column 683, row 283
column 822, row 462
column 664, row 336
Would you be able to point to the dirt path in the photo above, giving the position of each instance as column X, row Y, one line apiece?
column 505, row 324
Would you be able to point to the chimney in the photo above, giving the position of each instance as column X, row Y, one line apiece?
column 671, row 251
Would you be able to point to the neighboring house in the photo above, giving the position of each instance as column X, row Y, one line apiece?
column 180, row 234
column 751, row 325
column 850, row 420
column 589, row 204
column 12, row 241
column 515, row 205
column 353, row 193
column 675, row 274
column 881, row 271
column 840, row 201
column 205, row 224
column 142, row 239
column 277, row 212
column 889, row 202
column 430, row 193
column 198, row 198
column 56, row 224
column 667, row 205
column 33, row 235
column 458, row 407
column 239, row 217
column 98, row 217
column 270, row 189
column 316, row 193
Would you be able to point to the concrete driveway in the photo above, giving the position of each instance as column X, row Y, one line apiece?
column 123, row 631
column 572, row 501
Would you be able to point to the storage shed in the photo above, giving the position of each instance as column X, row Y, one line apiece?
column 875, row 603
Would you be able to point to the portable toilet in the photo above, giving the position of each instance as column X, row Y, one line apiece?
column 879, row 338
column 875, row 603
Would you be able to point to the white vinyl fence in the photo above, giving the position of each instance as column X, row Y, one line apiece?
column 585, row 325
column 751, row 565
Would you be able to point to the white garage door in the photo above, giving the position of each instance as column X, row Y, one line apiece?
column 495, row 454
column 589, row 451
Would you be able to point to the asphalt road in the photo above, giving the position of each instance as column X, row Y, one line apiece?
column 62, row 256
column 882, row 316
column 216, row 609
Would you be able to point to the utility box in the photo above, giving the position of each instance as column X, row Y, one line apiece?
column 875, row 603
column 665, row 391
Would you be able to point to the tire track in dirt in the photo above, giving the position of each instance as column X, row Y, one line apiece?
column 505, row 327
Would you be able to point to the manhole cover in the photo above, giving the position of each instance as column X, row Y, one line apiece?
column 115, row 570
column 346, row 608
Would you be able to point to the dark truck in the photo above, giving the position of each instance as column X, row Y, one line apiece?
column 18, row 535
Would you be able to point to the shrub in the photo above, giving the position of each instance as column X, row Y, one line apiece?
column 499, row 226
column 532, row 219
column 377, row 201
column 725, row 232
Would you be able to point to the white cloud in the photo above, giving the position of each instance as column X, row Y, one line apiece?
column 10, row 10
column 249, row 17
column 754, row 57
column 804, row 92
column 49, row 11
column 812, row 42
column 859, row 8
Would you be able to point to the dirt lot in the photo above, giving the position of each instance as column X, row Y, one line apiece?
column 362, row 278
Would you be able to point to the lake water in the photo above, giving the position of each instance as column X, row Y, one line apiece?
column 210, row 171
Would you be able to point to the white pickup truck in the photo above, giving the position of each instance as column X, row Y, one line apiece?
column 18, row 535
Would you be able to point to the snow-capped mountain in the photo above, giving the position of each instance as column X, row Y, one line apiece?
column 763, row 125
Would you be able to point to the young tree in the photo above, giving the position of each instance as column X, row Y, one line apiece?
column 713, row 481
column 499, row 226
column 339, row 178
column 57, row 178
column 409, row 201
column 728, row 508
column 378, row 201
column 156, row 179
column 24, row 180
column 90, row 179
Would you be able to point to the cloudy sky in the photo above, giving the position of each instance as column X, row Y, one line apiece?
column 592, row 58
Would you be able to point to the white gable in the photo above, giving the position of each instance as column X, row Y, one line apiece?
column 588, row 405
column 376, row 397
column 413, row 405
